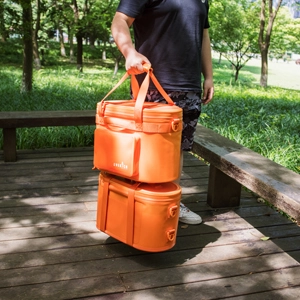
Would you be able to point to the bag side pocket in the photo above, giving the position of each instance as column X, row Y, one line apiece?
column 116, row 152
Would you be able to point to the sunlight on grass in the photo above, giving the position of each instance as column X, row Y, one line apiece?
column 264, row 120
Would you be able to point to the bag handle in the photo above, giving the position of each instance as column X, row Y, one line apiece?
column 135, row 86
column 139, row 93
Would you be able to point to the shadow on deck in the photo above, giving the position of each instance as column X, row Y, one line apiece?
column 50, row 247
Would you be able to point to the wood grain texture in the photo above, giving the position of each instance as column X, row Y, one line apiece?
column 50, row 247
column 271, row 181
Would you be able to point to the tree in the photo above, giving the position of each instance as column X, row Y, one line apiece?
column 27, row 44
column 36, row 55
column 3, row 32
column 12, row 18
column 87, row 19
column 293, row 32
column 267, row 18
column 233, row 31
column 282, row 35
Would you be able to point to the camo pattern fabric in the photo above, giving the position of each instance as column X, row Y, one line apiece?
column 190, row 102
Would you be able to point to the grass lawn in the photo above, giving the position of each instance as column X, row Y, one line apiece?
column 264, row 120
column 280, row 74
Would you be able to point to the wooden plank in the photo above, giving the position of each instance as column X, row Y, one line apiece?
column 43, row 251
column 193, row 181
column 85, row 239
column 205, row 272
column 288, row 293
column 57, row 226
column 51, row 243
column 81, row 211
column 10, row 247
column 271, row 181
column 44, row 176
column 53, row 191
column 143, row 262
column 31, row 258
column 19, row 119
column 65, row 289
column 55, row 169
column 49, row 200
column 88, row 181
column 57, row 210
column 218, row 288
column 46, row 154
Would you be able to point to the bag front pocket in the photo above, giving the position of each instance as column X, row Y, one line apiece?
column 116, row 151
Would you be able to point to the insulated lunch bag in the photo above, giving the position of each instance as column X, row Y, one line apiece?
column 138, row 140
column 142, row 215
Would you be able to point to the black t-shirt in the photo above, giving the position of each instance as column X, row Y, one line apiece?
column 169, row 33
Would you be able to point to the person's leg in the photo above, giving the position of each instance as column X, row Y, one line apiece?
column 185, row 214
column 190, row 102
column 180, row 168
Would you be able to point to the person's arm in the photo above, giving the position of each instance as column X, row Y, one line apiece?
column 207, row 70
column 121, row 34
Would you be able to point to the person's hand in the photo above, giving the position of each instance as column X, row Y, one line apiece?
column 208, row 91
column 136, row 62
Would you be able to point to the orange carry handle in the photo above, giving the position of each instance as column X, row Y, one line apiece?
column 139, row 93
column 173, row 211
column 171, row 234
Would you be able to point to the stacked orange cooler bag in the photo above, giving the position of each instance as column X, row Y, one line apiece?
column 137, row 150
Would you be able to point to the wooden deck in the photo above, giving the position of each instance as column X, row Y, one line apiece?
column 51, row 249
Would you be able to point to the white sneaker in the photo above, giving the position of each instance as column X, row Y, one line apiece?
column 187, row 216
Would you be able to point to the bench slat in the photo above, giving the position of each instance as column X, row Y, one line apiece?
column 273, row 182
column 18, row 119
column 9, row 121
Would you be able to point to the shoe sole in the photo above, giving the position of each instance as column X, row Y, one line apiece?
column 191, row 222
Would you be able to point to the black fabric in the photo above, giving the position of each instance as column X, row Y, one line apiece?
column 169, row 33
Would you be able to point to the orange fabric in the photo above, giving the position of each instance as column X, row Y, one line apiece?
column 137, row 140
column 144, row 216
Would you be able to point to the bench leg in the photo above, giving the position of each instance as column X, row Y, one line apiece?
column 223, row 191
column 9, row 144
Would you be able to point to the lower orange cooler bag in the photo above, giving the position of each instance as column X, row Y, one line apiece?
column 139, row 140
column 144, row 216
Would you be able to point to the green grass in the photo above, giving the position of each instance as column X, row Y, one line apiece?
column 264, row 120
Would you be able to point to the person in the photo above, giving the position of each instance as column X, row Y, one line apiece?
column 171, row 36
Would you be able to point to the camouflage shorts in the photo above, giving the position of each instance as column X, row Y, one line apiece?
column 190, row 102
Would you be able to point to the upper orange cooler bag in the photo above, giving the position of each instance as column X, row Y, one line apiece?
column 139, row 140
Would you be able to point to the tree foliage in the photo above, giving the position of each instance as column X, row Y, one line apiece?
column 37, row 21
column 234, row 31
column 236, row 28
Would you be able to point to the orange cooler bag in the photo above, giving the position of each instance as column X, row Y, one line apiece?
column 144, row 216
column 139, row 140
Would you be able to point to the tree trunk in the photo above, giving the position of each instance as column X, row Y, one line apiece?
column 3, row 32
column 79, row 52
column 264, row 67
column 79, row 37
column 104, row 51
column 117, row 61
column 70, row 35
column 92, row 41
column 27, row 43
column 236, row 76
column 36, row 55
column 62, row 44
column 264, row 38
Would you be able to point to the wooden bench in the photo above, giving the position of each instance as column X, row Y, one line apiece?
column 9, row 121
column 233, row 166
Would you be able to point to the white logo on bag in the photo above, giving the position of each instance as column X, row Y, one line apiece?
column 121, row 165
